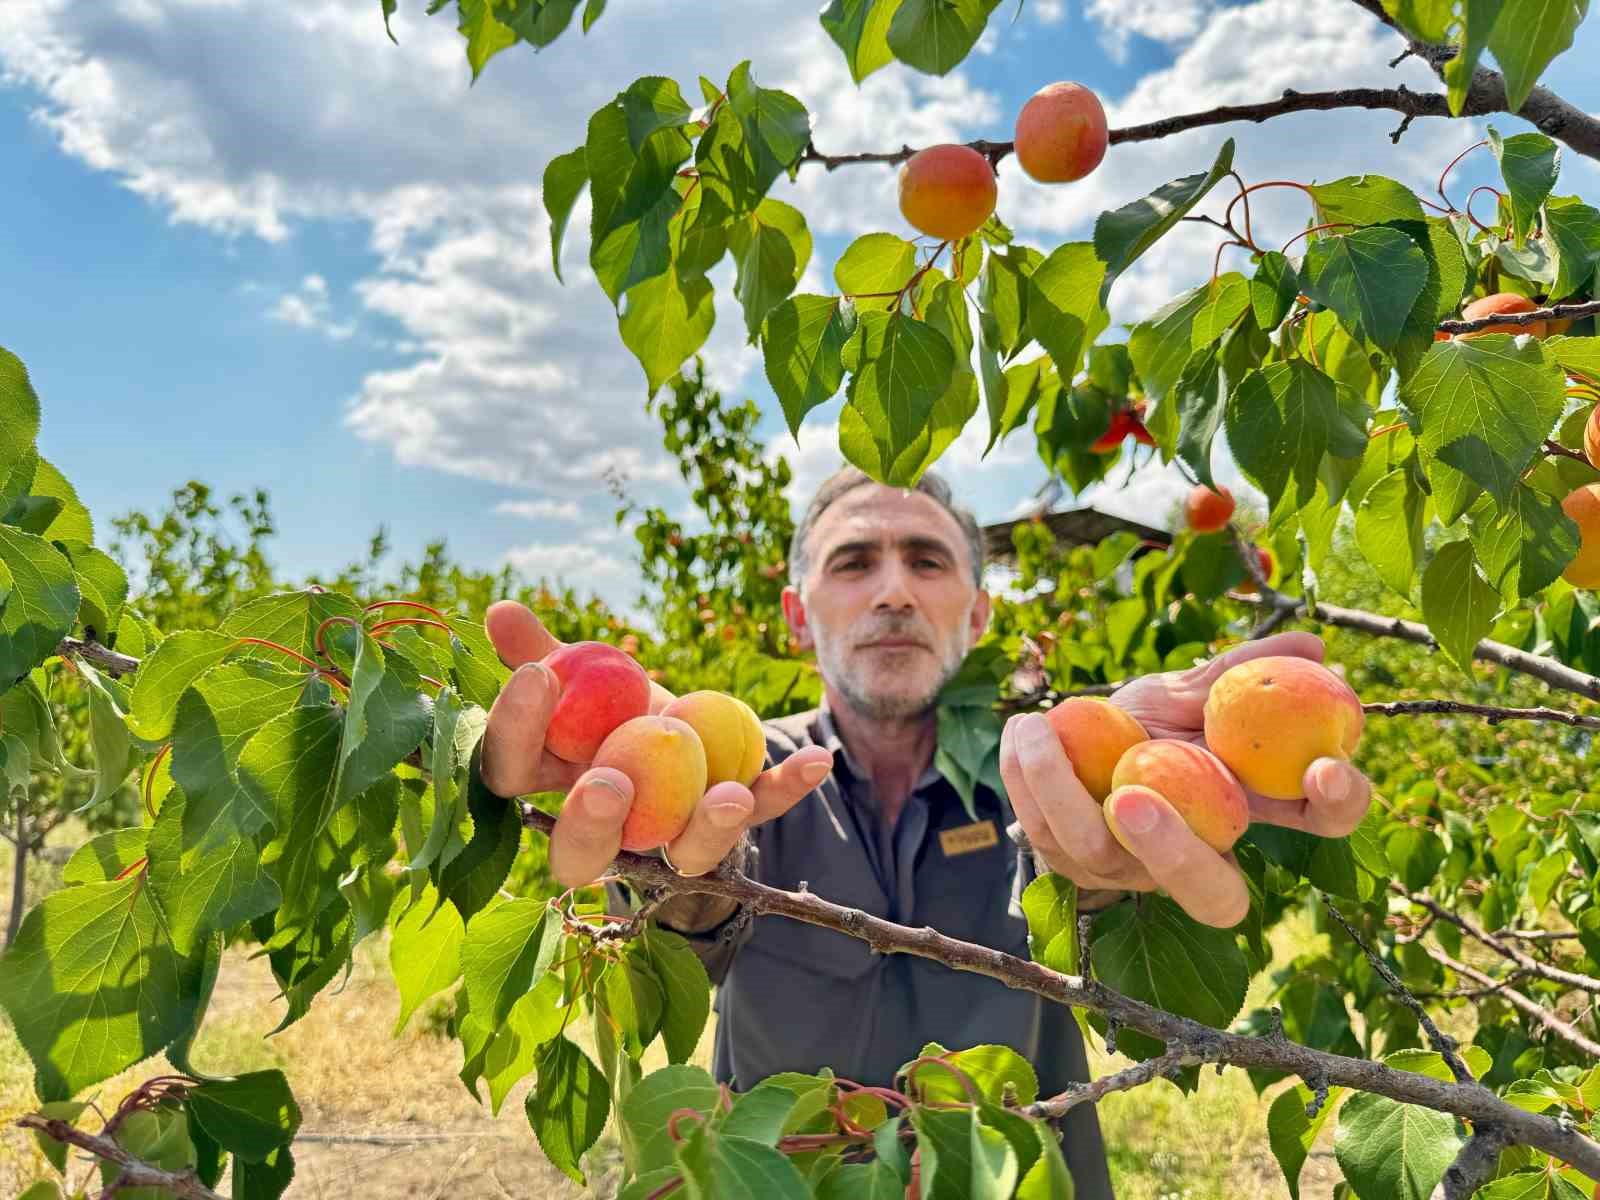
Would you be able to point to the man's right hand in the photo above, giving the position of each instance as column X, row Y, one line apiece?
column 588, row 831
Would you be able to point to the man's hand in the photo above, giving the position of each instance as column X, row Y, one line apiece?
column 1068, row 828
column 588, row 832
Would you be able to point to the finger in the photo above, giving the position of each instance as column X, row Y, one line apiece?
column 1077, row 823
column 588, row 832
column 516, row 634
column 1336, row 800
column 780, row 788
column 1205, row 884
column 1025, row 804
column 513, row 739
column 659, row 697
column 714, row 827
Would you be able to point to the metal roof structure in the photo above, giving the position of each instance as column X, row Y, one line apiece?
column 1072, row 527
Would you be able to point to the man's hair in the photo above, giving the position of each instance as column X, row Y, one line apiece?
column 848, row 479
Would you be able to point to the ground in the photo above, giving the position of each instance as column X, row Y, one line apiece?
column 387, row 1115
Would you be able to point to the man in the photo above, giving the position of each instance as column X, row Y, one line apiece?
column 886, row 589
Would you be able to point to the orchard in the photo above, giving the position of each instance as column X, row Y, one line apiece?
column 1411, row 381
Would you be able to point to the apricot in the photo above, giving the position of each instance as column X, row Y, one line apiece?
column 730, row 732
column 947, row 191
column 1583, row 506
column 601, row 687
column 1591, row 438
column 1095, row 734
column 1494, row 305
column 1208, row 511
column 1270, row 718
column 666, row 762
column 1061, row 133
column 1193, row 781
column 1268, row 563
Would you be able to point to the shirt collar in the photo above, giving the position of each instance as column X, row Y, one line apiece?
column 835, row 744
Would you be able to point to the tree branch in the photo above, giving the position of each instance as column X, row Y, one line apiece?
column 1517, row 1000
column 1533, row 316
column 1137, row 1075
column 135, row 1172
column 1475, row 1165
column 97, row 655
column 1470, row 1101
column 1529, row 964
column 1552, row 447
column 1494, row 713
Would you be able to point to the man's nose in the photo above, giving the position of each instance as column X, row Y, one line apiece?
column 894, row 587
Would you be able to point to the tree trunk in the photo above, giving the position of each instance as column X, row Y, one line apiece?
column 19, row 876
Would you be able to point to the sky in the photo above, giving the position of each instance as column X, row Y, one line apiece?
column 261, row 245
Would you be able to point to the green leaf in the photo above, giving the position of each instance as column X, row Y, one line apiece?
column 19, row 412
column 1003, row 294
column 1050, row 903
column 644, row 1113
column 68, row 518
column 991, row 1068
column 1370, row 278
column 105, row 856
column 290, row 619
column 209, row 888
column 905, row 365
column 1574, row 232
column 1389, row 529
column 569, row 1105
column 964, row 1158
column 472, row 878
column 505, row 1057
column 722, row 1166
column 771, row 248
column 249, row 1115
column 776, row 126
column 1485, row 406
column 93, row 984
column 264, row 1181
column 805, row 336
column 507, row 949
column 108, row 734
column 1392, row 1150
column 875, row 262
column 1477, row 19
column 1160, row 347
column 485, row 35
column 1048, row 1178
column 42, row 606
column 565, row 177
column 935, row 35
column 1120, row 237
column 1227, row 298
column 860, row 28
column 861, row 1181
column 102, row 584
column 1201, row 395
column 1524, row 547
column 425, row 952
column 1529, row 163
column 686, row 990
column 385, row 719
column 1064, row 304
column 1291, row 1133
column 762, row 1113
column 1281, row 420
column 1527, row 37
column 591, row 13
column 1154, row 952
column 1365, row 200
column 633, row 197
column 1273, row 289
column 166, row 673
column 664, row 321
column 1458, row 603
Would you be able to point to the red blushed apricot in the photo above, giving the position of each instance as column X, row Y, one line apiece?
column 1095, row 734
column 1495, row 305
column 1583, row 506
column 1268, row 565
column 1208, row 511
column 601, row 687
column 1270, row 718
column 730, row 731
column 1194, row 782
column 1061, row 133
column 665, row 761
column 947, row 191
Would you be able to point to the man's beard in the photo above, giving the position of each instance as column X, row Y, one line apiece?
column 835, row 668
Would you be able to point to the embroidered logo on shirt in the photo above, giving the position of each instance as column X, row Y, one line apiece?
column 964, row 839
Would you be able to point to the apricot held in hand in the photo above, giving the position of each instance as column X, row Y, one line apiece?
column 1193, row 782
column 1493, row 306
column 947, row 191
column 1061, row 133
column 601, row 687
column 1208, row 511
column 1271, row 718
column 730, row 731
column 1095, row 733
column 666, row 762
column 1583, row 507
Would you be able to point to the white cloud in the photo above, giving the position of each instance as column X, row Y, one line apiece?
column 539, row 510
column 1160, row 20
column 578, row 563
column 1050, row 12
column 308, row 307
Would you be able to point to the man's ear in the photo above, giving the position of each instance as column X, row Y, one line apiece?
column 979, row 621
column 794, row 612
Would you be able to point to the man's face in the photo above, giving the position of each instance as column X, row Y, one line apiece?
column 888, row 601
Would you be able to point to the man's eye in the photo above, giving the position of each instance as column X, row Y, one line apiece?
column 851, row 565
column 929, row 562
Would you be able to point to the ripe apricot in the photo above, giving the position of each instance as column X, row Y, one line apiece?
column 1061, row 133
column 666, row 762
column 1268, row 564
column 601, row 687
column 1193, row 781
column 1270, row 718
column 1583, row 506
column 730, row 732
column 947, row 191
column 1501, row 302
column 1095, row 734
column 1208, row 511
column 1591, row 438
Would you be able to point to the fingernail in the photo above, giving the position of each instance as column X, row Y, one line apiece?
column 604, row 798
column 815, row 773
column 1334, row 778
column 1136, row 814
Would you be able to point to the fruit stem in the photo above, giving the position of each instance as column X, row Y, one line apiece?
column 136, row 865
column 1216, row 263
column 1387, row 429
column 1284, row 249
column 1244, row 194
column 1227, row 214
column 1440, row 186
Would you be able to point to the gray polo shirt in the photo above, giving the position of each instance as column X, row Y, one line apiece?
column 796, row 997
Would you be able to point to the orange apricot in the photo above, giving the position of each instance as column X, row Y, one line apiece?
column 1270, row 718
column 947, row 191
column 601, row 687
column 1583, row 506
column 1095, row 734
column 666, row 762
column 730, row 731
column 1268, row 565
column 1194, row 782
column 1061, row 133
column 1591, row 438
column 1208, row 511
column 1495, row 305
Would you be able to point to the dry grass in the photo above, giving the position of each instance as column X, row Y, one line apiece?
column 427, row 1139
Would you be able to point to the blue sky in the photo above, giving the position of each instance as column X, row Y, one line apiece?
column 265, row 247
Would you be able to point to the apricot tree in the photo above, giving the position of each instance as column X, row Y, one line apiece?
column 310, row 772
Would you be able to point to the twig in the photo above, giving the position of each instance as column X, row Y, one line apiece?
column 135, row 1172
column 1538, row 935
column 1495, row 713
column 1469, row 1101
column 1516, row 954
column 97, row 655
column 1516, row 999
column 1533, row 316
column 1475, row 1164
column 1135, row 1076
column 1437, row 1038
column 1554, row 447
